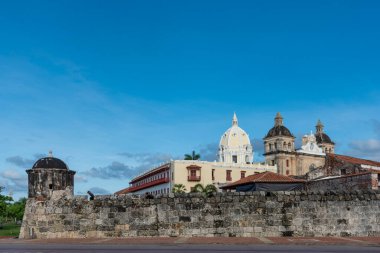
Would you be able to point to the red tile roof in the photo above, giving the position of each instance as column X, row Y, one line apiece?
column 124, row 191
column 151, row 172
column 265, row 177
column 354, row 160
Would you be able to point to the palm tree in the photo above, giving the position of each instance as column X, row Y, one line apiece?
column 179, row 188
column 192, row 156
column 207, row 190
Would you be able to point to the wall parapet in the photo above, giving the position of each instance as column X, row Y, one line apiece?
column 241, row 214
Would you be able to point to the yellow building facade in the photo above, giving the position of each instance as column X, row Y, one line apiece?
column 190, row 173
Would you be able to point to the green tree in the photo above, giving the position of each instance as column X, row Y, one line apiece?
column 16, row 209
column 207, row 190
column 192, row 156
column 4, row 202
column 179, row 188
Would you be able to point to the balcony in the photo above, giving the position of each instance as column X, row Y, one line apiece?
column 149, row 184
column 194, row 178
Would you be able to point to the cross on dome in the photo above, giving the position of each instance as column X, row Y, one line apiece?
column 234, row 120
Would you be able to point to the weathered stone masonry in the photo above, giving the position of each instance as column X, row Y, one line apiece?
column 224, row 214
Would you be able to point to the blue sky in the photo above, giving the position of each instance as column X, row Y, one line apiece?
column 115, row 87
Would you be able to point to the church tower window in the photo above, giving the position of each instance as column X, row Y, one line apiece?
column 234, row 158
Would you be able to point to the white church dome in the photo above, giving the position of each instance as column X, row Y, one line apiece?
column 235, row 145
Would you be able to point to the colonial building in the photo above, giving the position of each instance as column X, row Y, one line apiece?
column 235, row 162
column 342, row 165
column 280, row 149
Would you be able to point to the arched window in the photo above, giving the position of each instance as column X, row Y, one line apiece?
column 275, row 145
column 270, row 147
column 289, row 146
column 284, row 147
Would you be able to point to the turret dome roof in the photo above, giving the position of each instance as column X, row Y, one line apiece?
column 50, row 162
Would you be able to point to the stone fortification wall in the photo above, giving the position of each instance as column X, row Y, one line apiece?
column 224, row 214
column 363, row 181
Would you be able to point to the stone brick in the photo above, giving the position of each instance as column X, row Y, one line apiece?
column 318, row 213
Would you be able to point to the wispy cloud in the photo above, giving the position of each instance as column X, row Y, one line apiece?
column 99, row 190
column 23, row 162
column 14, row 181
column 112, row 171
column 370, row 148
column 20, row 162
column 120, row 170
column 80, row 179
column 209, row 152
column 258, row 146
column 147, row 158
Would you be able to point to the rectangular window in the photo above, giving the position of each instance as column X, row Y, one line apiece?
column 234, row 158
column 272, row 162
column 242, row 174
column 228, row 175
column 287, row 163
column 213, row 174
column 193, row 173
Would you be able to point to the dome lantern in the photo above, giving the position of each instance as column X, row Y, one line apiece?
column 278, row 120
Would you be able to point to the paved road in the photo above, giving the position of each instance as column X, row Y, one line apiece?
column 193, row 244
column 215, row 248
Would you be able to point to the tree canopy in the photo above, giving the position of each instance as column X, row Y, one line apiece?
column 178, row 188
column 10, row 210
column 207, row 190
column 192, row 156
